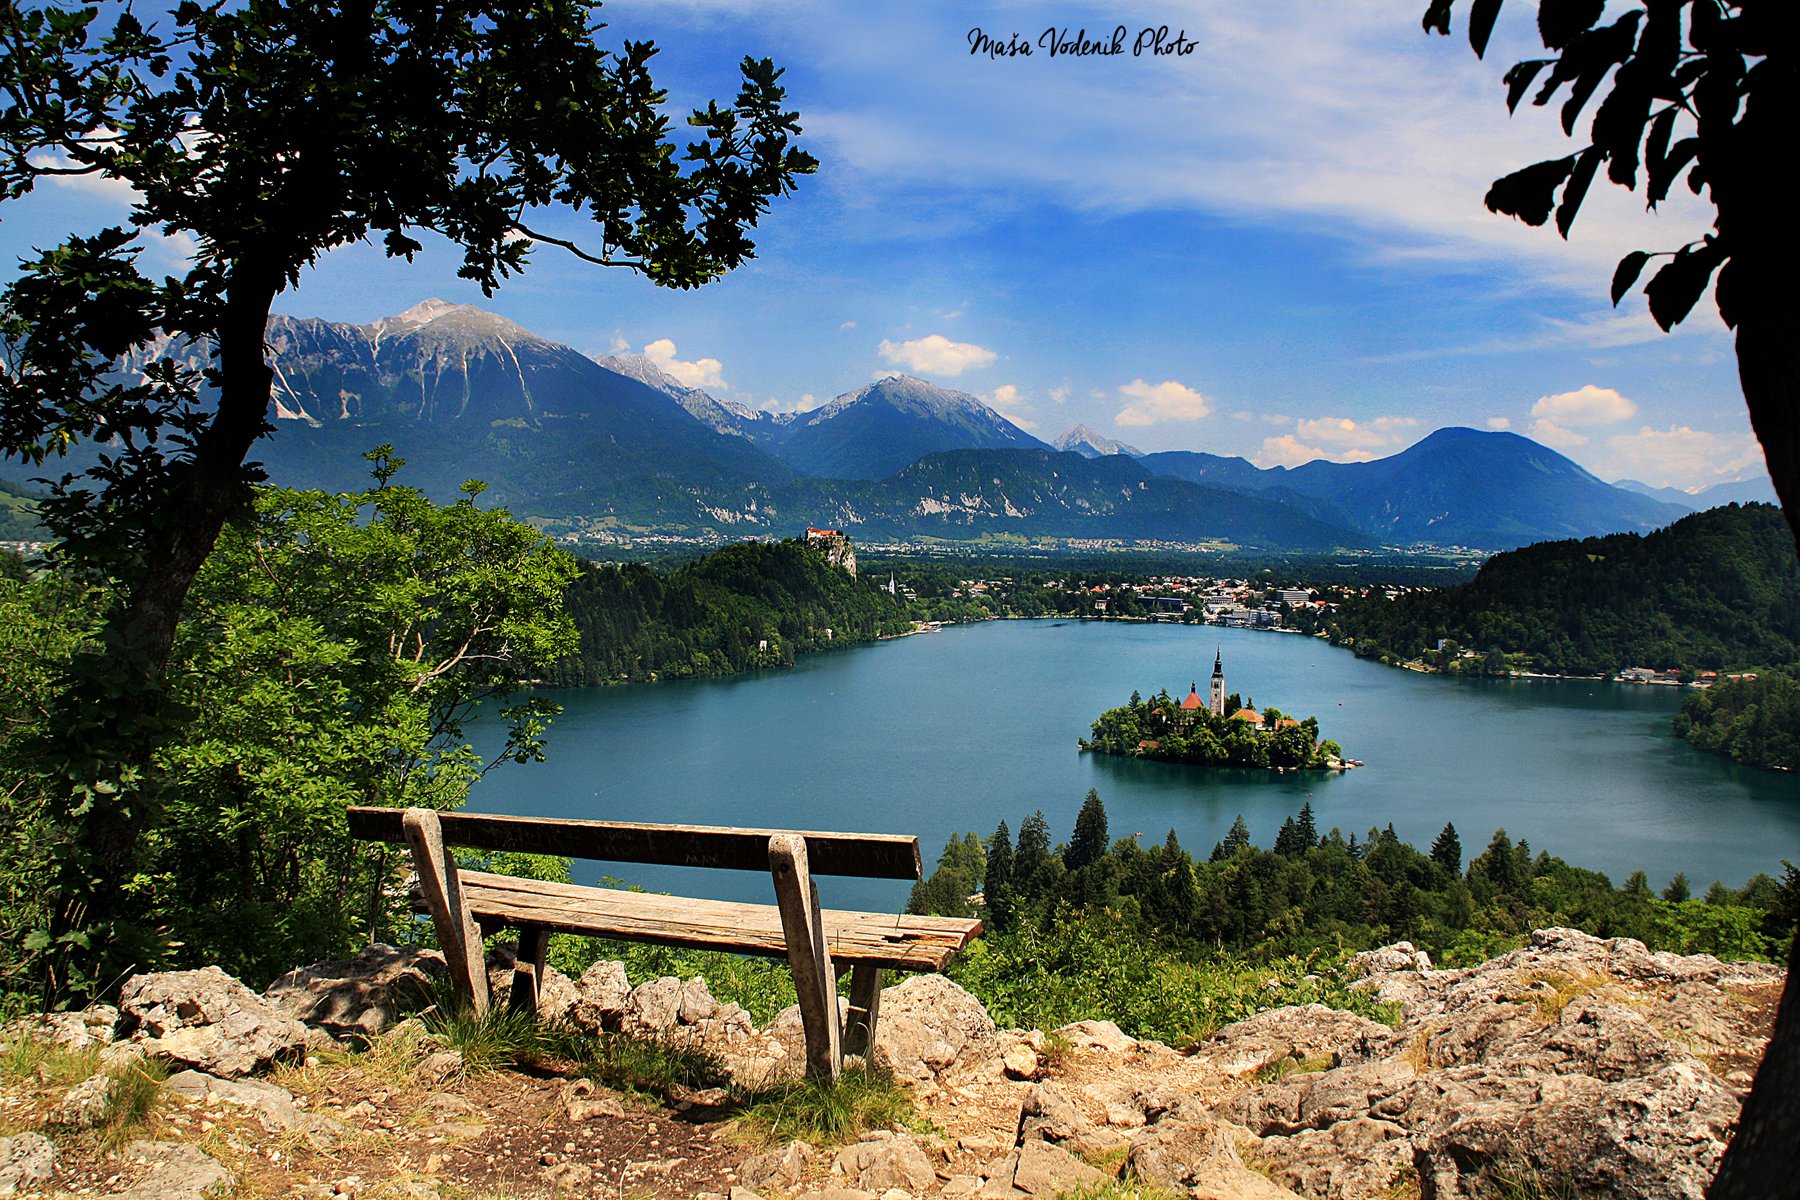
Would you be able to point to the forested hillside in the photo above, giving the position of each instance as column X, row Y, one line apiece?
column 1716, row 590
column 1132, row 929
column 18, row 520
column 1755, row 721
column 754, row 604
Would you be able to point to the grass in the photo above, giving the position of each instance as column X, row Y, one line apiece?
column 500, row 1037
column 131, row 1101
column 639, row 1065
column 1512, row 1176
column 1289, row 1064
column 1121, row 1189
column 137, row 1086
column 807, row 1110
column 1550, row 992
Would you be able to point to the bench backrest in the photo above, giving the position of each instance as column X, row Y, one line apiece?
column 870, row 855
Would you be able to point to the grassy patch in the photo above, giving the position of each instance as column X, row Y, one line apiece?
column 864, row 1098
column 1550, row 992
column 33, row 1060
column 1121, row 1189
column 137, row 1086
column 1512, row 1176
column 500, row 1037
column 641, row 1065
column 1289, row 1064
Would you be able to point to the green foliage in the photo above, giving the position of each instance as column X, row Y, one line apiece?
column 272, row 133
column 500, row 1037
column 960, row 871
column 749, row 605
column 641, row 1065
column 1716, row 590
column 808, row 1110
column 18, row 515
column 1095, row 966
column 1170, row 948
column 332, row 650
column 1160, row 728
column 1755, row 721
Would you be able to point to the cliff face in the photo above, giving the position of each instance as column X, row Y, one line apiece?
column 1573, row 1066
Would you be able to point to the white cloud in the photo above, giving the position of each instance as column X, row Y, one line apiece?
column 848, row 325
column 1679, row 456
column 936, row 354
column 620, row 345
column 1346, row 434
column 1587, row 405
column 1006, row 401
column 1499, row 423
column 1165, row 401
column 701, row 373
column 1060, row 393
column 1555, row 436
column 806, row 403
column 1286, row 451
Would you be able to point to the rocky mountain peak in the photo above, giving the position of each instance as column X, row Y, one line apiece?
column 1089, row 444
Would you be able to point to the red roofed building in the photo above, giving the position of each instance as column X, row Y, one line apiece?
column 1248, row 714
column 1193, row 703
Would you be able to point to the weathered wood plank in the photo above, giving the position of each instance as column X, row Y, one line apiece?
column 865, row 1008
column 444, row 899
column 904, row 943
column 815, row 980
column 528, row 969
column 870, row 855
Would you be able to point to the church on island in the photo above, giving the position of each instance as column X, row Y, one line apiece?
column 1191, row 704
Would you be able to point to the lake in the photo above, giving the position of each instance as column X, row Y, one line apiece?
column 943, row 733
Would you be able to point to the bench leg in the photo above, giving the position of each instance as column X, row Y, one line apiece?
column 456, row 929
column 865, row 1006
column 528, row 969
column 803, row 929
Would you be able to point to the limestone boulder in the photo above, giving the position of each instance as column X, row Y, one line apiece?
column 1048, row 1114
column 27, row 1163
column 207, row 1020
column 1040, row 1170
column 361, row 996
column 885, row 1160
column 600, row 996
column 1310, row 1034
column 929, row 1026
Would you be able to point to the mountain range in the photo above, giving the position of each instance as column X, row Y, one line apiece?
column 617, row 443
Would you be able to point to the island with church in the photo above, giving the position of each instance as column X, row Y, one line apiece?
column 1221, row 731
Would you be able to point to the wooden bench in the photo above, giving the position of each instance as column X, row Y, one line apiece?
column 466, row 906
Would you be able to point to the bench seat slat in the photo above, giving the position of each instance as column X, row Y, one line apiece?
column 870, row 855
column 906, row 943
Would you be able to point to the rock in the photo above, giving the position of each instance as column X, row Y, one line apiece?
column 784, row 1167
column 85, row 1106
column 1021, row 1062
column 440, row 1067
column 838, row 1193
column 92, row 1026
column 568, row 1176
column 742, row 1193
column 274, row 1106
column 1308, row 1032
column 1048, row 1115
column 177, row 1172
column 1401, row 956
column 879, row 1163
column 1349, row 1159
column 600, row 996
column 361, row 996
column 653, row 1007
column 556, row 992
column 1173, row 1151
column 207, row 1020
column 1041, row 1170
column 929, row 1027
column 27, row 1163
column 1096, row 1035
column 583, row 1101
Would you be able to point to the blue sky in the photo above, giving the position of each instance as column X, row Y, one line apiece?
column 1273, row 245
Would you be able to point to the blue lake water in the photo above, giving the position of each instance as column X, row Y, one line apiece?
column 943, row 733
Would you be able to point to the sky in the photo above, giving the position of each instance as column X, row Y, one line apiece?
column 1270, row 242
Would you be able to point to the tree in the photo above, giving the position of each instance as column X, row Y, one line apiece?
column 1708, row 88
column 1031, row 874
column 1677, row 891
column 1235, row 839
column 272, row 132
column 1446, row 851
column 1089, row 842
column 997, row 884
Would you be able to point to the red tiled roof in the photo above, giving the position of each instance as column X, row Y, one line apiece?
column 1193, row 701
column 1247, row 714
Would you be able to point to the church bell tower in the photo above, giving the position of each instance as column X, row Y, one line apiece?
column 1218, row 685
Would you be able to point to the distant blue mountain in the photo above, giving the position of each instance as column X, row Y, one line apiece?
column 875, row 431
column 1756, row 490
column 1456, row 487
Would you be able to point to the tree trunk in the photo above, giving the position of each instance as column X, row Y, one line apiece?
column 113, row 718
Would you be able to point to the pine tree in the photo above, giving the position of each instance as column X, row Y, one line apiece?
column 1446, row 852
column 1235, row 840
column 1307, row 826
column 1288, row 842
column 998, row 884
column 1031, row 863
column 1677, row 891
column 1089, row 843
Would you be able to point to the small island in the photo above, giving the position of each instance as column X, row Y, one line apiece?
column 1222, row 732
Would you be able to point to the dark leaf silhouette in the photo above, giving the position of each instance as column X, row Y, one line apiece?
column 1561, row 21
column 1630, row 267
column 1673, row 290
column 1529, row 194
column 1576, row 191
column 1481, row 24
